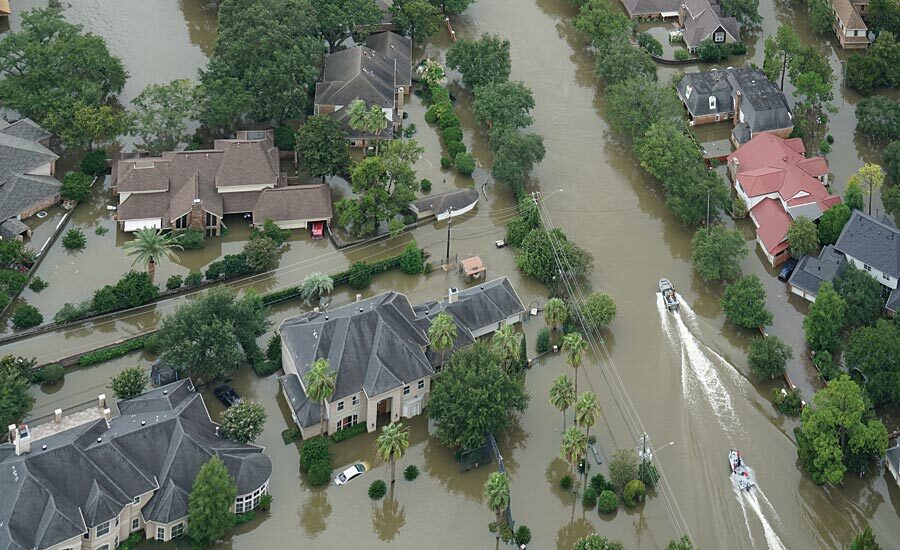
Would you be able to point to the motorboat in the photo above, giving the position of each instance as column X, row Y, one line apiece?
column 739, row 470
column 668, row 294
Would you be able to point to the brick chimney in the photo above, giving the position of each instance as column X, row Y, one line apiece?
column 737, row 108
column 21, row 438
column 195, row 218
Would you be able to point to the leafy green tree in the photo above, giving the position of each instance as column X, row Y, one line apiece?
column 450, row 7
column 839, row 433
column 562, row 395
column 884, row 15
column 599, row 310
column 633, row 493
column 869, row 179
column 865, row 541
column 319, row 382
column 503, row 104
column 161, row 114
column 768, row 356
column 416, row 18
column 150, row 246
column 890, row 198
column 745, row 11
column 574, row 346
column 481, row 61
column 462, row 416
column 718, row 253
column 620, row 61
column 496, row 493
column 515, row 154
column 875, row 352
column 74, row 239
column 392, row 444
column 536, row 256
column 803, row 236
column 623, row 467
column 261, row 254
column 603, row 24
column 573, row 447
column 891, row 157
column 243, row 422
column 853, row 197
column 129, row 383
column 744, row 303
column 209, row 504
column 650, row 44
column 132, row 290
column 595, row 541
column 821, row 16
column 505, row 345
column 12, row 253
column 86, row 124
column 383, row 185
column 338, row 20
column 863, row 296
column 779, row 51
column 878, row 119
column 50, row 69
column 822, row 326
column 322, row 146
column 832, row 222
column 15, row 381
column 684, row 543
column 26, row 316
column 556, row 313
column 442, row 334
column 76, row 186
column 635, row 104
column 244, row 80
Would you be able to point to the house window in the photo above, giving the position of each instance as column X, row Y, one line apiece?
column 135, row 524
column 160, row 533
column 354, row 400
column 210, row 220
column 137, row 499
column 348, row 421
column 719, row 36
column 421, row 384
column 340, row 406
column 178, row 530
column 712, row 103
column 405, row 390
column 87, row 535
column 103, row 529
column 182, row 222
column 104, row 547
column 867, row 267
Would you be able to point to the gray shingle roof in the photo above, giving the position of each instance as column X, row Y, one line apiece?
column 637, row 8
column 12, row 228
column 26, row 129
column 357, row 73
column 871, row 242
column 21, row 153
column 703, row 19
column 306, row 412
column 702, row 87
column 394, row 46
column 95, row 469
column 443, row 201
column 480, row 306
column 893, row 301
column 811, row 272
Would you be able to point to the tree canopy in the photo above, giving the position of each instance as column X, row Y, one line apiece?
column 822, row 326
column 243, row 422
column 620, row 61
column 744, row 303
column 603, row 24
column 718, row 253
column 878, row 119
column 15, row 401
column 338, row 20
column 537, row 259
column 745, row 11
column 417, row 19
column 875, row 352
column 481, row 61
column 599, row 310
column 161, row 115
column 209, row 504
column 515, row 154
column 863, row 296
column 472, row 397
column 832, row 222
column 503, row 104
column 52, row 71
column 129, row 383
column 803, row 236
column 322, row 147
column 767, row 357
column 635, row 104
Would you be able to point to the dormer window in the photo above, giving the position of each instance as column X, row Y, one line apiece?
column 712, row 103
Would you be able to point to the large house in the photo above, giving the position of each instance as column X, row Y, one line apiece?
column 27, row 170
column 379, row 349
column 195, row 189
column 91, row 485
column 812, row 271
column 777, row 184
column 703, row 20
column 849, row 23
column 379, row 73
column 744, row 95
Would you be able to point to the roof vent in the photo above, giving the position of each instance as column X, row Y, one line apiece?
column 143, row 422
column 43, row 447
column 326, row 317
column 99, row 439
column 165, row 392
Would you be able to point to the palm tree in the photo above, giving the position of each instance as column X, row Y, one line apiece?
column 556, row 312
column 315, row 285
column 150, row 246
column 562, row 395
column 358, row 118
column 505, row 344
column 392, row 444
column 320, row 383
column 573, row 448
column 574, row 346
column 376, row 122
column 496, row 493
column 442, row 333
column 587, row 411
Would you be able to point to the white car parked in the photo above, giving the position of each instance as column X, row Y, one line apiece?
column 350, row 473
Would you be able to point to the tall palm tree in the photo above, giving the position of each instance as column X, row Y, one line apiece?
column 556, row 312
column 392, row 444
column 562, row 395
column 587, row 411
column 496, row 493
column 573, row 448
column 574, row 346
column 150, row 246
column 358, row 119
column 320, row 384
column 505, row 344
column 376, row 122
column 442, row 333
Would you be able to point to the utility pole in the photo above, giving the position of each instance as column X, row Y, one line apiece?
column 707, row 207
column 449, row 223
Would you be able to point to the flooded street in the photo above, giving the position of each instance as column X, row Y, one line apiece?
column 685, row 373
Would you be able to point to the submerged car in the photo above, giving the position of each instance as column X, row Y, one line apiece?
column 227, row 395
column 353, row 471
column 786, row 269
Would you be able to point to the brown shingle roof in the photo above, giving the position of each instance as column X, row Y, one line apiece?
column 296, row 202
column 848, row 15
column 139, row 206
column 247, row 163
column 239, row 203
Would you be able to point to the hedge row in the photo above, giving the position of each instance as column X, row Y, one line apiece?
column 347, row 433
column 111, row 353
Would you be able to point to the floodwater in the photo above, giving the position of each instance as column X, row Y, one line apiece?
column 684, row 373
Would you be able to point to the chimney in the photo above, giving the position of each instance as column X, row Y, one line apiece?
column 21, row 437
column 107, row 415
column 195, row 218
column 101, row 401
column 358, row 297
column 316, row 309
column 737, row 108
column 57, row 416
column 400, row 98
column 452, row 295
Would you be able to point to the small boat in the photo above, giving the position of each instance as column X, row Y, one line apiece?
column 740, row 470
column 668, row 294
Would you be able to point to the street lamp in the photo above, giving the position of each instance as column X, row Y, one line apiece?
column 658, row 449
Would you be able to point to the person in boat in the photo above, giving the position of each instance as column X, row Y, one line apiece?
column 738, row 461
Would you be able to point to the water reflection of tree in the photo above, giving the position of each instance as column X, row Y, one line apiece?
column 572, row 531
column 440, row 465
column 202, row 20
column 513, row 439
column 554, row 472
column 315, row 512
column 388, row 518
column 839, row 511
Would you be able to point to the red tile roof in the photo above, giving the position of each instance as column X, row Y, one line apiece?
column 773, row 224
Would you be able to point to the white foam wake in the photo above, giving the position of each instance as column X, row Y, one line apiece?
column 771, row 537
column 740, row 499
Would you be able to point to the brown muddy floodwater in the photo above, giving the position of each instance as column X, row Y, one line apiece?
column 685, row 374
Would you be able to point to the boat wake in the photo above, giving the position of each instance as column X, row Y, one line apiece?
column 750, row 499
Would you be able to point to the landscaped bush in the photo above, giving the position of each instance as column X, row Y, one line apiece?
column 446, row 162
column 291, row 434
column 543, row 340
column 76, row 186
column 589, row 498
column 634, row 493
column 51, row 374
column 12, row 280
column 438, row 94
column 175, row 281
column 360, row 275
column 425, row 184
column 347, row 433
column 465, row 164
column 314, row 449
column 599, row 484
column 411, row 472
column 565, row 482
column 265, row 502
column 132, row 541
column 787, row 402
column 649, row 43
column 607, row 502
column 229, row 266
column 74, row 239
column 110, row 353
column 71, row 312
column 377, row 489
column 133, row 289
column 506, row 533
column 523, row 535
column 245, row 517
column 448, row 120
column 454, row 148
column 648, row 474
column 94, row 163
column 191, row 239
column 430, row 116
column 453, row 133
column 682, row 55
column 711, row 52
column 37, row 284
column 193, row 279
column 4, row 301
column 412, row 260
column 319, row 473
column 26, row 316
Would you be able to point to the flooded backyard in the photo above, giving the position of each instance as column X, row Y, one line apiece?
column 684, row 373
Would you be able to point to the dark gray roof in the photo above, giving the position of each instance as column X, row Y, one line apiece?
column 871, row 242
column 12, row 228
column 811, row 272
column 893, row 301
column 394, row 46
column 479, row 306
column 306, row 411
column 19, row 155
column 94, row 470
column 357, row 73
column 702, row 19
column 702, row 87
column 441, row 202
column 26, row 129
column 637, row 8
